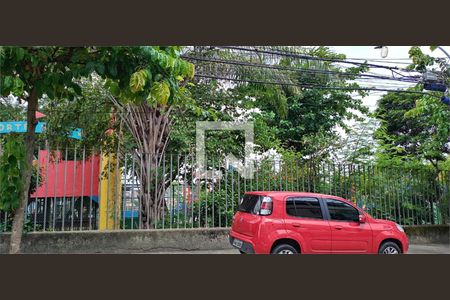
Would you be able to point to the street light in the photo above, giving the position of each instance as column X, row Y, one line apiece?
column 383, row 51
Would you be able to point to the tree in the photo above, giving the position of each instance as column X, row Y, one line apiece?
column 10, row 110
column 92, row 112
column 414, row 128
column 399, row 137
column 12, row 161
column 358, row 146
column 414, row 133
column 35, row 74
column 29, row 73
column 145, row 105
column 215, row 103
column 291, row 96
column 435, row 143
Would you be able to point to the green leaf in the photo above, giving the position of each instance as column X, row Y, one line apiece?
column 18, row 87
column 113, row 87
column 112, row 69
column 159, row 93
column 100, row 69
column 191, row 70
column 12, row 160
column 158, row 77
column 34, row 61
column 90, row 66
column 8, row 82
column 77, row 89
column 12, row 163
column 138, row 80
column 20, row 53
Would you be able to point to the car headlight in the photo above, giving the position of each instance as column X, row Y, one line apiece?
column 400, row 228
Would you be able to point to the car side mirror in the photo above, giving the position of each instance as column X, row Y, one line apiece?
column 362, row 219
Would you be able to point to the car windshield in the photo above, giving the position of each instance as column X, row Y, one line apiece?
column 363, row 206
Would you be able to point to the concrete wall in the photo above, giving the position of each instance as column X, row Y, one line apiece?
column 142, row 241
column 129, row 241
column 428, row 234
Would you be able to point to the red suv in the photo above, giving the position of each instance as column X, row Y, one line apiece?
column 295, row 222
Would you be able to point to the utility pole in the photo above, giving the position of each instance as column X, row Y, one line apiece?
column 443, row 50
column 432, row 82
column 437, row 86
column 445, row 99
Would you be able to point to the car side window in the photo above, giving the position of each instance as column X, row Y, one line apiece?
column 341, row 211
column 304, row 207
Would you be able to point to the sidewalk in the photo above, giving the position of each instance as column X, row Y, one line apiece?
column 414, row 249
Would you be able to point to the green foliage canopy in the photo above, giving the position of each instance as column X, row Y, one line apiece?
column 12, row 161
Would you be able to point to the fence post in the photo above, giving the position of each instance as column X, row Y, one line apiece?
column 109, row 194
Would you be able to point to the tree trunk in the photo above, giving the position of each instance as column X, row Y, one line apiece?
column 30, row 137
column 153, row 185
column 150, row 129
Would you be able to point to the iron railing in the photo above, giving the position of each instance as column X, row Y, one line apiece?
column 83, row 190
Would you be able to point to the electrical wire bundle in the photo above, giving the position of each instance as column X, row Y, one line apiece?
column 290, row 66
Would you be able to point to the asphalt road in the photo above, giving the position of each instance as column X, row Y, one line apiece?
column 414, row 249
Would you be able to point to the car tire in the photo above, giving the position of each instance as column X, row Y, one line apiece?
column 389, row 248
column 242, row 252
column 284, row 249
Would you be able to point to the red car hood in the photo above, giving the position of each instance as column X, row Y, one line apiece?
column 384, row 222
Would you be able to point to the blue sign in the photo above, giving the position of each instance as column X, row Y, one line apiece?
column 440, row 87
column 445, row 100
column 21, row 127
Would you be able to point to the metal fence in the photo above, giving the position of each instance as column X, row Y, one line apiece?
column 81, row 190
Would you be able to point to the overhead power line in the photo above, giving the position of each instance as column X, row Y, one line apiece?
column 309, row 57
column 388, row 60
column 409, row 79
column 311, row 85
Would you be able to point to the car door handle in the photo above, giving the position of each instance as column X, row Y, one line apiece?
column 296, row 225
column 338, row 227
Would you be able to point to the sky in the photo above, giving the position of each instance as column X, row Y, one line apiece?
column 397, row 56
column 397, row 53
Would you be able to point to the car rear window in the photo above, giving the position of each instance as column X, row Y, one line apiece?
column 250, row 204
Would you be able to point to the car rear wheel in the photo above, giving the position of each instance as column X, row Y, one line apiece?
column 390, row 248
column 284, row 249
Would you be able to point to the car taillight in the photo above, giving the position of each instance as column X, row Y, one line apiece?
column 266, row 206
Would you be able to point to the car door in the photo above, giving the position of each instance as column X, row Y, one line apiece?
column 305, row 217
column 348, row 235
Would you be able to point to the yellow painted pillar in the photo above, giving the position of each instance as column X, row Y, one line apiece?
column 110, row 193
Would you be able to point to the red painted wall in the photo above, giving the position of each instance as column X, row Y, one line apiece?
column 53, row 186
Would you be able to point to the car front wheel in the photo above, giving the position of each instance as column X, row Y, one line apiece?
column 284, row 249
column 390, row 248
